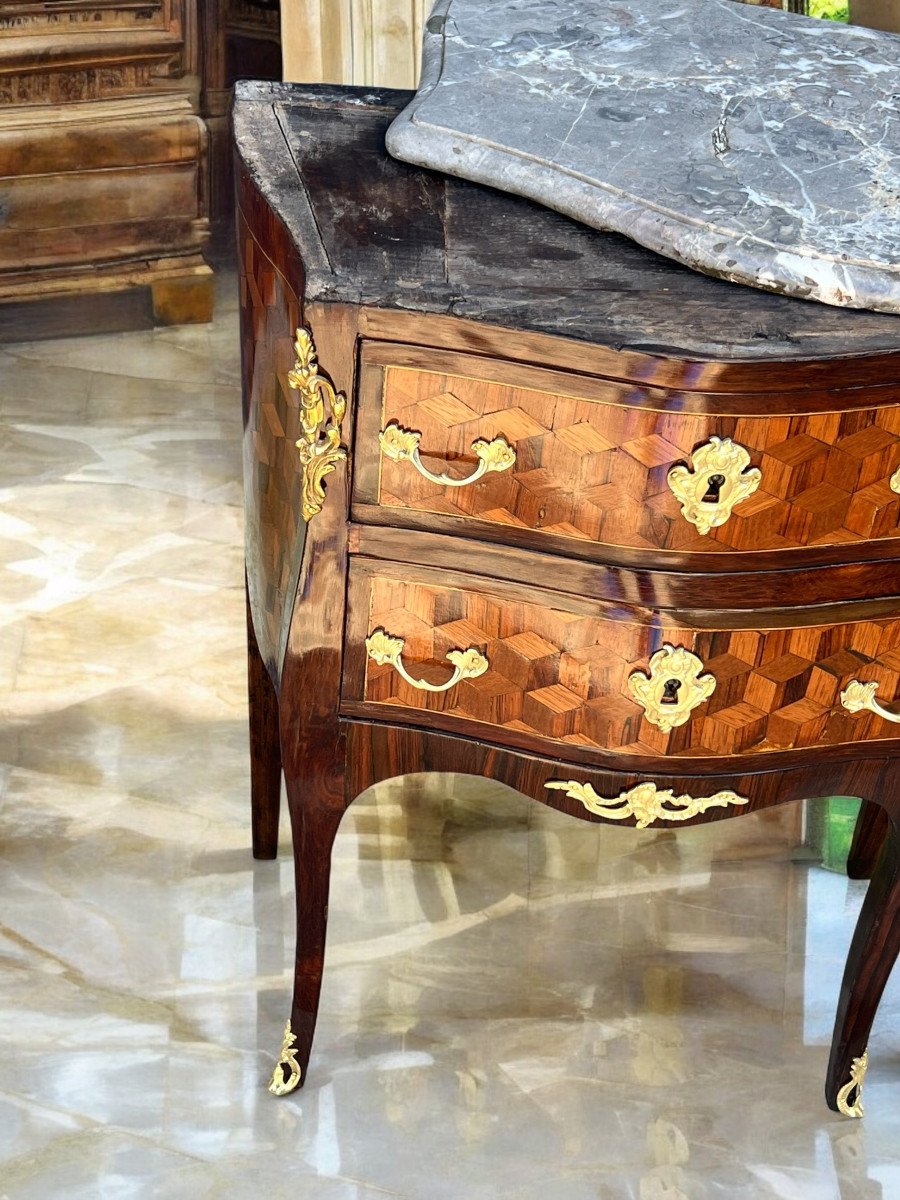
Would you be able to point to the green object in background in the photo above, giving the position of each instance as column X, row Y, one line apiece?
column 833, row 10
column 830, row 826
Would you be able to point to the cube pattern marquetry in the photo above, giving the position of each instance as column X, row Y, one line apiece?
column 563, row 675
column 596, row 471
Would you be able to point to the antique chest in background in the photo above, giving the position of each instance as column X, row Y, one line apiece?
column 524, row 500
column 102, row 167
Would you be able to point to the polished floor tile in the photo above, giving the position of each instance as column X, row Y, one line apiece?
column 515, row 1005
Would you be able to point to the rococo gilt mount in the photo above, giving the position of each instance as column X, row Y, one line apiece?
column 526, row 500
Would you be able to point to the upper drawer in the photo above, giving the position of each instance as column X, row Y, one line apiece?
column 581, row 461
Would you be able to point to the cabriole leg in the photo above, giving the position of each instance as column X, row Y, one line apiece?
column 265, row 751
column 868, row 839
column 314, row 821
column 873, row 953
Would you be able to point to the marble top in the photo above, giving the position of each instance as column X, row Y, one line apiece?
column 747, row 143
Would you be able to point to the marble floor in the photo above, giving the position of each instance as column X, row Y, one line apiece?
column 516, row 1005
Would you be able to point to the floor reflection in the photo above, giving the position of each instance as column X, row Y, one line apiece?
column 515, row 1004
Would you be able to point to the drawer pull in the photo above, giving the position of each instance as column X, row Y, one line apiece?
column 467, row 664
column 895, row 481
column 715, row 482
column 858, row 696
column 402, row 445
column 672, row 687
column 645, row 802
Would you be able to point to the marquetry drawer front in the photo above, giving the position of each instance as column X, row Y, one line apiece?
column 633, row 477
column 605, row 676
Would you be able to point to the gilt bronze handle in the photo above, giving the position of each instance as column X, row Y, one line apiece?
column 402, row 445
column 382, row 648
column 858, row 696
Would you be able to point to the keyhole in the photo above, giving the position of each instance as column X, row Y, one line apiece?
column 670, row 691
column 714, row 486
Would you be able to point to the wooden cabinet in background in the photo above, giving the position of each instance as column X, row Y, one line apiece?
column 103, row 188
column 241, row 40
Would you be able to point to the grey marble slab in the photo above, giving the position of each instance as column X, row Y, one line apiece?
column 745, row 142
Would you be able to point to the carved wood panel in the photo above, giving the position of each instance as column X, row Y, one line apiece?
column 27, row 17
column 598, row 472
column 82, row 50
column 102, row 162
column 559, row 669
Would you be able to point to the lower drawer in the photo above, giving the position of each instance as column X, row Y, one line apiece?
column 469, row 654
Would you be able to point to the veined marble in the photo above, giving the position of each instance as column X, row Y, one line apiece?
column 516, row 1005
column 748, row 143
